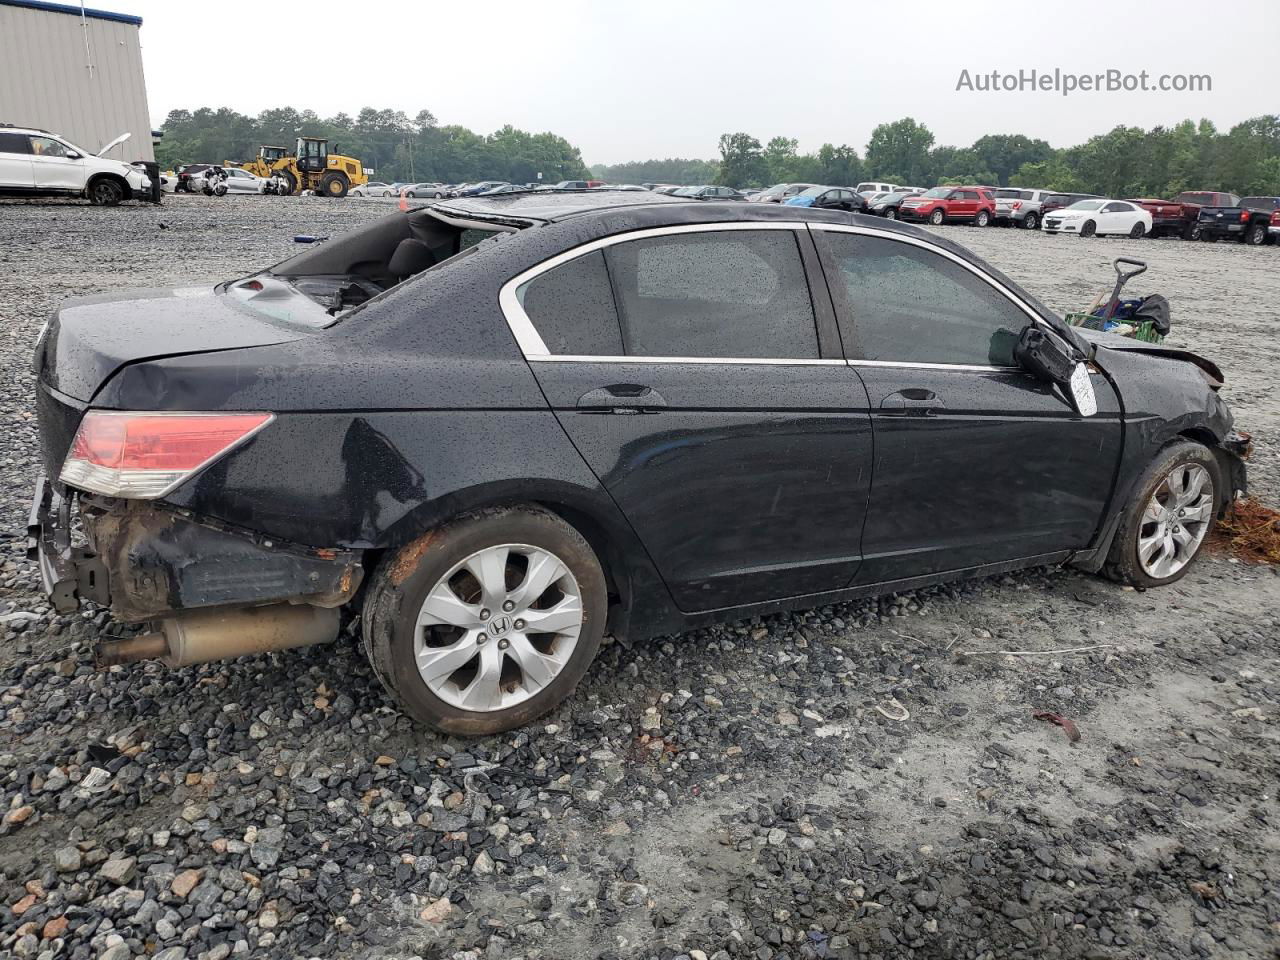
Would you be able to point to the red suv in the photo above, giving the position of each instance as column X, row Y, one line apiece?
column 941, row 204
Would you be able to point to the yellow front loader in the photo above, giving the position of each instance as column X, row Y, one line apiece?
column 311, row 167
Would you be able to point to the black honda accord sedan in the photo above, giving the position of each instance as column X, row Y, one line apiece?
column 498, row 428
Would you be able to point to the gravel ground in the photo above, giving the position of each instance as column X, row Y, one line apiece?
column 860, row 780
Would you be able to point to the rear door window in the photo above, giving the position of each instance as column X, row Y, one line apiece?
column 571, row 307
column 718, row 294
column 14, row 143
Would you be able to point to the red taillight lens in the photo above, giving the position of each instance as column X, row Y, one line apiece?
column 1244, row 215
column 1017, row 205
column 145, row 455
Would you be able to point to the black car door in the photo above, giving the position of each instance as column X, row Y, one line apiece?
column 976, row 461
column 706, row 388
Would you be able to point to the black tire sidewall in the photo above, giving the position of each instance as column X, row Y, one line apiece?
column 1030, row 221
column 1089, row 229
column 937, row 218
column 1123, row 564
column 406, row 577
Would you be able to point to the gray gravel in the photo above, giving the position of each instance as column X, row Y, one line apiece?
column 860, row 780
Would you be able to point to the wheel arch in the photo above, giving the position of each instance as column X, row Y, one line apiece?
column 120, row 181
column 629, row 574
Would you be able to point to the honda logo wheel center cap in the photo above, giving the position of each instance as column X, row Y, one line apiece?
column 500, row 626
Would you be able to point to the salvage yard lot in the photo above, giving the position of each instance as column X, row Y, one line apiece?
column 864, row 779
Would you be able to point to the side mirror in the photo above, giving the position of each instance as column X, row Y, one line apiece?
column 72, row 155
column 1048, row 357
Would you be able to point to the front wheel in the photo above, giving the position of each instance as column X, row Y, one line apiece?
column 891, row 214
column 1165, row 524
column 487, row 622
column 1089, row 229
column 105, row 193
column 937, row 217
column 1030, row 221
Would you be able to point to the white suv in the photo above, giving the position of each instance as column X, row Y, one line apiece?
column 38, row 163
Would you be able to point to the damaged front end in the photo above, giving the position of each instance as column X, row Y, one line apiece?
column 215, row 590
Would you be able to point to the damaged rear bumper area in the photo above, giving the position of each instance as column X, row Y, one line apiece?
column 217, row 591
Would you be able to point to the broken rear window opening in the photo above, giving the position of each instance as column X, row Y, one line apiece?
column 328, row 283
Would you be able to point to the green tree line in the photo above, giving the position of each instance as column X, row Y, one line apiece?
column 394, row 145
column 1125, row 162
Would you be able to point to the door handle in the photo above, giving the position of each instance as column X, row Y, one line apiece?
column 912, row 399
column 623, row 398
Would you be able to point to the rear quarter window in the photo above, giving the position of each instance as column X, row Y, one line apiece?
column 571, row 306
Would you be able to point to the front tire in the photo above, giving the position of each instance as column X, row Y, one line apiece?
column 450, row 622
column 334, row 185
column 1089, row 229
column 891, row 214
column 1168, row 519
column 105, row 193
column 937, row 218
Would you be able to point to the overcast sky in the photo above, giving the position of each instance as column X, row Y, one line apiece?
column 657, row 79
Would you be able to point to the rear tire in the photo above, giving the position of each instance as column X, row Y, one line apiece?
column 1089, row 229
column 1191, row 231
column 937, row 218
column 1152, row 527
column 1031, row 221
column 1138, row 231
column 438, row 565
column 981, row 218
column 1256, row 234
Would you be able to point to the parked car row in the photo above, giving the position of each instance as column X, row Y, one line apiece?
column 1192, row 215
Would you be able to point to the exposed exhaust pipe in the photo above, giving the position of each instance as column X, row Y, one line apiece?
column 201, row 636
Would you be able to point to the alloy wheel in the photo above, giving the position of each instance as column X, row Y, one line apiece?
column 1175, row 521
column 498, row 627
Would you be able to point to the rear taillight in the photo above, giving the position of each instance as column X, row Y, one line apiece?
column 1244, row 215
column 142, row 456
column 1017, row 205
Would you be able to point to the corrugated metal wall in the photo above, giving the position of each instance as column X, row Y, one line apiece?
column 45, row 80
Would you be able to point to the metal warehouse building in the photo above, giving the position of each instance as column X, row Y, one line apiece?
column 75, row 72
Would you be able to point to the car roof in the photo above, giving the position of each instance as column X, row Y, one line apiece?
column 519, row 210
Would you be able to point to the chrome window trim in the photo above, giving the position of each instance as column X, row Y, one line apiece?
column 531, row 343
column 798, row 361
column 535, row 350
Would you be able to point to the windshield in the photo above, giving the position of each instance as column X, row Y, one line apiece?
column 890, row 197
column 813, row 192
column 687, row 191
column 1085, row 205
column 938, row 193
